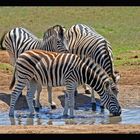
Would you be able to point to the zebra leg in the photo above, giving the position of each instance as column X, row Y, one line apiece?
column 93, row 101
column 37, row 97
column 69, row 99
column 71, row 104
column 51, row 103
column 30, row 94
column 14, row 97
column 20, row 95
column 75, row 92
column 65, row 113
column 87, row 89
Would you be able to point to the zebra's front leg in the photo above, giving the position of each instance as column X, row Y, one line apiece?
column 30, row 95
column 65, row 113
column 93, row 101
column 71, row 104
column 69, row 99
column 75, row 92
column 37, row 97
column 51, row 103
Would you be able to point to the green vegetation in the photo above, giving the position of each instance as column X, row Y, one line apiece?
column 120, row 25
column 6, row 67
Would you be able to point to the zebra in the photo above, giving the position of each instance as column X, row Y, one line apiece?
column 86, row 42
column 19, row 40
column 61, row 69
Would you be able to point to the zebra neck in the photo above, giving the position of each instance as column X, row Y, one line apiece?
column 94, row 77
column 40, row 44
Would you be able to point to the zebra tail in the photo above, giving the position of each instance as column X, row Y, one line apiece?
column 1, row 41
column 13, row 80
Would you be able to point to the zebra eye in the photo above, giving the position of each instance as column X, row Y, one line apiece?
column 115, row 90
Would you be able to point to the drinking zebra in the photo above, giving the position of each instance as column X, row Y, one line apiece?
column 58, row 69
column 86, row 42
column 19, row 40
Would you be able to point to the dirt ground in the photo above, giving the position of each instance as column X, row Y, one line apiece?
column 129, row 96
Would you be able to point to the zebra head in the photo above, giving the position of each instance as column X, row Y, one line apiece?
column 109, row 98
column 55, row 35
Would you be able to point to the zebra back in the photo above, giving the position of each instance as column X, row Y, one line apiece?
column 85, row 41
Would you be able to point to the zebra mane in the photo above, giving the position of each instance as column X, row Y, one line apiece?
column 29, row 33
column 108, row 48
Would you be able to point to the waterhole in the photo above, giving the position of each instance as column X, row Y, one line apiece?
column 83, row 115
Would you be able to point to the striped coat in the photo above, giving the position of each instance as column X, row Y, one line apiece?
column 59, row 69
column 86, row 42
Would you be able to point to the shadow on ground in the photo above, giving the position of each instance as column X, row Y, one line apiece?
column 80, row 100
column 21, row 103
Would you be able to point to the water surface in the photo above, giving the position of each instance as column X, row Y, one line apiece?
column 83, row 115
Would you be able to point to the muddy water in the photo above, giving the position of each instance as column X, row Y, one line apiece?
column 83, row 115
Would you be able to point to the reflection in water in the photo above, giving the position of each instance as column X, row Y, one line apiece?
column 115, row 119
column 30, row 121
column 12, row 120
column 56, row 118
column 82, row 116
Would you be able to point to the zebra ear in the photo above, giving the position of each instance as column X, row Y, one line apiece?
column 64, row 29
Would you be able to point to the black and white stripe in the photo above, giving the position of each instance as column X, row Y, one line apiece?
column 86, row 42
column 59, row 69
column 19, row 40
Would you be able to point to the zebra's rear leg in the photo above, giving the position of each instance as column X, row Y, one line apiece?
column 51, row 103
column 14, row 97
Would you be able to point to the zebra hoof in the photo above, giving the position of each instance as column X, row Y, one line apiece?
column 87, row 92
column 53, row 106
column 93, row 106
column 75, row 93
